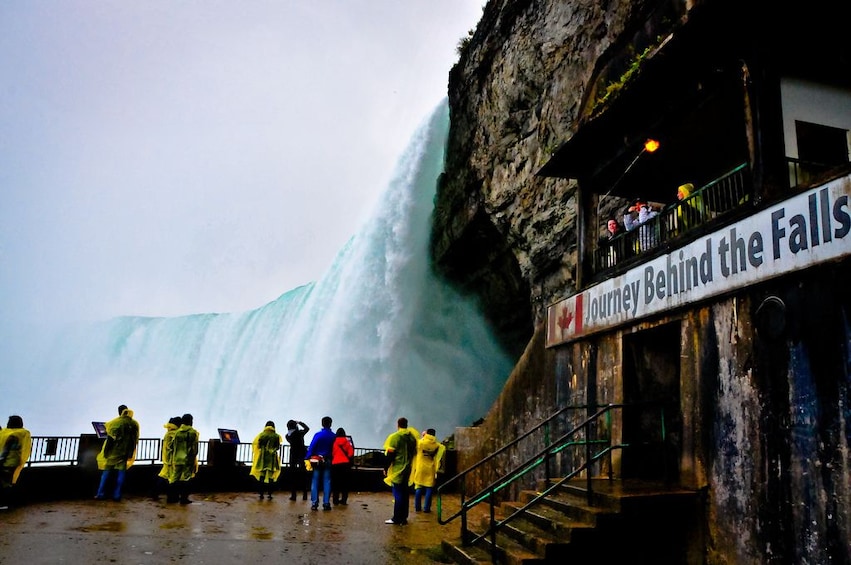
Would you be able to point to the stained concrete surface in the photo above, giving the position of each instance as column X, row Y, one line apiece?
column 222, row 528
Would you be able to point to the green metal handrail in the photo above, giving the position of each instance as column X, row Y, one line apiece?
column 460, row 476
column 542, row 457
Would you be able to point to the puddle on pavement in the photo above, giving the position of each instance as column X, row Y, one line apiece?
column 261, row 533
column 105, row 527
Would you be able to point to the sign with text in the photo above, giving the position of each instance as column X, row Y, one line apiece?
column 808, row 229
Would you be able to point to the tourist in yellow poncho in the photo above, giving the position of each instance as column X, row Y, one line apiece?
column 266, row 460
column 426, row 465
column 118, row 452
column 400, row 449
column 184, row 459
column 689, row 208
column 166, row 455
column 15, row 448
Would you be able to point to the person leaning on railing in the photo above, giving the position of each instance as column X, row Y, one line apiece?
column 689, row 208
column 609, row 246
column 639, row 215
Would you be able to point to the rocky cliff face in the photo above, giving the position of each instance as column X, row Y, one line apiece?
column 530, row 71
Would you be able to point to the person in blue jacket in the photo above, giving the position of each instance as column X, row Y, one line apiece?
column 318, row 460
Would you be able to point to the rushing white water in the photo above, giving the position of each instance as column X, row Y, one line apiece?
column 378, row 337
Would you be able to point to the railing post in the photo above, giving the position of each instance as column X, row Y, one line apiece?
column 547, row 456
column 588, row 486
column 664, row 433
column 492, row 528
column 609, row 450
column 465, row 533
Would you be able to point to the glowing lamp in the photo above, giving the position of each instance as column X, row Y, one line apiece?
column 651, row 145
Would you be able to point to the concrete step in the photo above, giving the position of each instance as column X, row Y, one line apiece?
column 465, row 555
column 563, row 527
column 508, row 550
column 571, row 507
column 547, row 523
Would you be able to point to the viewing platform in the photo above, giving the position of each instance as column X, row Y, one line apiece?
column 57, row 520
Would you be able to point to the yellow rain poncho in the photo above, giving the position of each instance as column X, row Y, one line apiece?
column 168, row 449
column 184, row 454
column 427, row 462
column 265, row 460
column 689, row 208
column 15, row 448
column 403, row 444
column 119, row 449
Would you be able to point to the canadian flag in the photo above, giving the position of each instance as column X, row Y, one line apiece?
column 564, row 320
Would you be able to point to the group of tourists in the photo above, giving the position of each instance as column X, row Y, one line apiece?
column 179, row 456
column 412, row 461
column 690, row 213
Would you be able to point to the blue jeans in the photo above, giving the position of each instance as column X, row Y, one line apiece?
column 119, row 482
column 321, row 472
column 401, row 502
column 418, row 498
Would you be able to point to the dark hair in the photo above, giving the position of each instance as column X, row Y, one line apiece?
column 341, row 432
column 431, row 432
column 326, row 421
column 15, row 422
column 291, row 424
column 270, row 423
column 402, row 422
column 121, row 408
column 176, row 420
column 186, row 419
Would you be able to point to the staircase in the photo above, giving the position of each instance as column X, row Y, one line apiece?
column 631, row 521
column 571, row 516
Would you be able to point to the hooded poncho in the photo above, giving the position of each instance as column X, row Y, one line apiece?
column 427, row 462
column 403, row 444
column 119, row 449
column 167, row 449
column 15, row 447
column 265, row 461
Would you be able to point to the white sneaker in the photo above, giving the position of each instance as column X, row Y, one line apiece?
column 390, row 521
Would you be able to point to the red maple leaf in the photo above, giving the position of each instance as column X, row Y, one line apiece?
column 565, row 319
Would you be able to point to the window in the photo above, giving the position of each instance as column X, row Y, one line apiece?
column 822, row 145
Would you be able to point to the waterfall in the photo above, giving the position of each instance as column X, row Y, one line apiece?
column 377, row 337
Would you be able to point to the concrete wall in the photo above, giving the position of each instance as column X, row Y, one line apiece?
column 764, row 417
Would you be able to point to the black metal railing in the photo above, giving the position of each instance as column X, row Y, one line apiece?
column 710, row 203
column 591, row 437
column 65, row 450
column 803, row 172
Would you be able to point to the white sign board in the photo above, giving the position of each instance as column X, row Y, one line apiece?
column 810, row 228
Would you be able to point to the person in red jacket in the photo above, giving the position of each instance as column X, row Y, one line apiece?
column 342, row 459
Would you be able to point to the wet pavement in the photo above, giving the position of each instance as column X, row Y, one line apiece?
column 222, row 528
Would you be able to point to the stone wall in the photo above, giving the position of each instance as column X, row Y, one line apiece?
column 532, row 68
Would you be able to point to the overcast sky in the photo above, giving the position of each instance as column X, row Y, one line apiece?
column 166, row 158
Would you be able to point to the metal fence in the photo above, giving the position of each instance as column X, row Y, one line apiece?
column 66, row 450
column 715, row 200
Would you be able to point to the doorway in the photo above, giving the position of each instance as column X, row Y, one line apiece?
column 652, row 420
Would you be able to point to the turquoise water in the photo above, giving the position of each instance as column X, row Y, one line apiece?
column 377, row 337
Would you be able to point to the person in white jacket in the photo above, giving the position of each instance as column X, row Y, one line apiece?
column 639, row 216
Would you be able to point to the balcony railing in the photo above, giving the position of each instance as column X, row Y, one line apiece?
column 802, row 173
column 708, row 204
column 65, row 450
